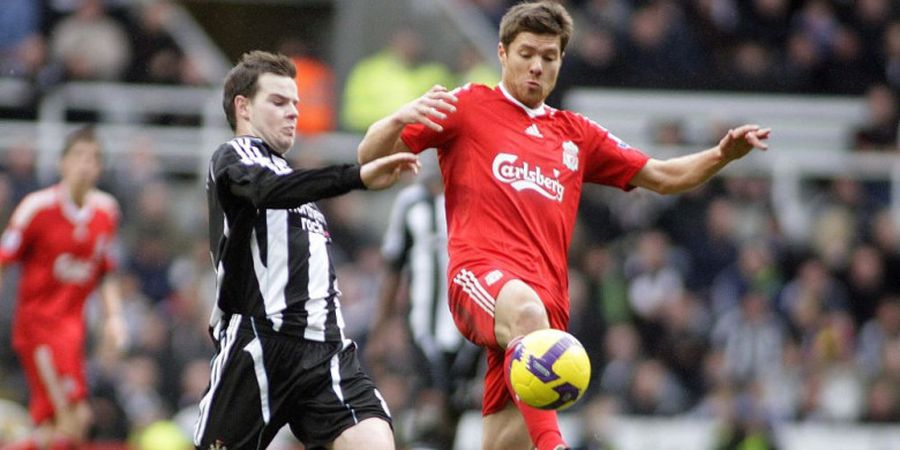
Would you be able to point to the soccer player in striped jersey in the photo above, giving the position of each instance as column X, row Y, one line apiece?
column 282, row 357
column 415, row 252
column 513, row 170
column 62, row 237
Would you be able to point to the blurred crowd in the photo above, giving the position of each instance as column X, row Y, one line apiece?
column 800, row 46
column 697, row 304
column 48, row 42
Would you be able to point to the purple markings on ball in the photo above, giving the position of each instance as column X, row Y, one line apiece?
column 542, row 366
column 567, row 393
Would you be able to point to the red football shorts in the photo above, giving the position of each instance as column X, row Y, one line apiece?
column 66, row 358
column 473, row 293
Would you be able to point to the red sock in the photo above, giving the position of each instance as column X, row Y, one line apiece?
column 27, row 444
column 63, row 444
column 542, row 424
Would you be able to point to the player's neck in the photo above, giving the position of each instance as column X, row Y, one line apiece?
column 76, row 194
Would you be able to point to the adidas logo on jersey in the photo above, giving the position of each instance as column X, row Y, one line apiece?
column 533, row 131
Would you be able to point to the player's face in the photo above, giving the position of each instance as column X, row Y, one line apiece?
column 272, row 113
column 82, row 165
column 530, row 66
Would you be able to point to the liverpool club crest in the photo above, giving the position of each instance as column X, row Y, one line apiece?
column 570, row 155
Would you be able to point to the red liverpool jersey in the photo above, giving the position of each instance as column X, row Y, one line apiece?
column 513, row 178
column 64, row 251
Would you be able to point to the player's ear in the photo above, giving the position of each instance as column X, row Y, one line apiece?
column 242, row 107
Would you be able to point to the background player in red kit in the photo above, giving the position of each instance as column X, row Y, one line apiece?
column 62, row 236
column 513, row 168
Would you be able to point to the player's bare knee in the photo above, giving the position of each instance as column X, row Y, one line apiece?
column 519, row 311
column 530, row 316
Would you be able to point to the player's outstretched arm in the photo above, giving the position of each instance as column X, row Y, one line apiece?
column 383, row 172
column 383, row 137
column 684, row 173
column 115, row 333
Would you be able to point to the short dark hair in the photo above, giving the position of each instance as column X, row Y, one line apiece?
column 83, row 134
column 242, row 79
column 542, row 17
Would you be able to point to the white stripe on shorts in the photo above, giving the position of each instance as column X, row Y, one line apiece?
column 215, row 376
column 470, row 285
column 336, row 384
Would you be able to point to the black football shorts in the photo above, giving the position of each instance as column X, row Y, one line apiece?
column 261, row 380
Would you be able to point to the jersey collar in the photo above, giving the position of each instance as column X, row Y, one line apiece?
column 532, row 112
column 70, row 210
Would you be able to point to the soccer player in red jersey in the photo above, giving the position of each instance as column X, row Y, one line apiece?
column 513, row 171
column 62, row 237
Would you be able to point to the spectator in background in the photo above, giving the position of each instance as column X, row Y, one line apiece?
column 382, row 83
column 718, row 249
column 875, row 334
column 315, row 86
column 606, row 14
column 764, row 21
column 892, row 55
column 848, row 72
column 660, row 50
column 654, row 391
column 864, row 278
column 751, row 337
column 655, row 282
column 19, row 23
column 622, row 345
column 91, row 44
column 802, row 64
column 879, row 132
column 754, row 270
column 816, row 20
column 157, row 58
column 752, row 68
column 882, row 232
column 686, row 324
column 153, row 240
column 593, row 62
column 871, row 18
column 882, row 402
column 808, row 297
column 606, row 286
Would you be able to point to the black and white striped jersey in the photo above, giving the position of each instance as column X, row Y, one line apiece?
column 416, row 241
column 270, row 243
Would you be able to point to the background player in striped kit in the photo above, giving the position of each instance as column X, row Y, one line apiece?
column 513, row 171
column 63, row 237
column 415, row 251
column 282, row 356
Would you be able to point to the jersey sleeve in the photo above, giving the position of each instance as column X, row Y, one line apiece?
column 609, row 160
column 268, row 182
column 19, row 232
column 418, row 137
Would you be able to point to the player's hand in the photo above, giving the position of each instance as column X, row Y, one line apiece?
column 433, row 105
column 741, row 140
column 68, row 425
column 383, row 172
